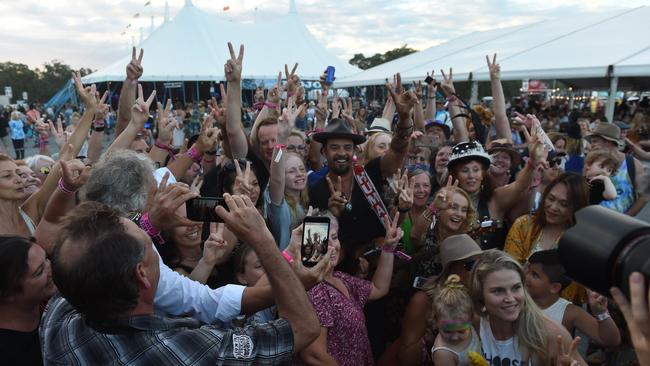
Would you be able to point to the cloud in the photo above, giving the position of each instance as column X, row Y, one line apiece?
column 94, row 33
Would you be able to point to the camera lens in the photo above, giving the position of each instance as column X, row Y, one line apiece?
column 604, row 248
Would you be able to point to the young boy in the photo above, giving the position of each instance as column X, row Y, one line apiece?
column 599, row 166
column 545, row 279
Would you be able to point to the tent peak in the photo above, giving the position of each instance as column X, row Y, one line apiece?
column 166, row 12
column 292, row 7
column 188, row 3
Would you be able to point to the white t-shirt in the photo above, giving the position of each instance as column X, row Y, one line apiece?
column 556, row 311
column 496, row 352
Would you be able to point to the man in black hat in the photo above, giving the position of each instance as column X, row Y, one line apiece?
column 358, row 223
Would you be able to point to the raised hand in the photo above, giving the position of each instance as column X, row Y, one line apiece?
column 166, row 122
column 217, row 112
column 74, row 173
column 87, row 94
column 168, row 198
column 405, row 198
column 196, row 185
column 242, row 219
column 292, row 79
column 637, row 315
column 597, row 302
column 60, row 135
column 134, row 68
column 347, row 110
column 259, row 94
column 140, row 110
column 337, row 201
column 565, row 356
column 216, row 249
column 404, row 100
column 447, row 84
column 292, row 112
column 207, row 140
column 42, row 128
column 233, row 67
column 493, row 67
column 442, row 197
column 275, row 93
column 417, row 87
column 393, row 232
column 102, row 106
column 242, row 184
column 312, row 275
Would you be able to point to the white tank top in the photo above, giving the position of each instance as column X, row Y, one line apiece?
column 556, row 311
column 499, row 353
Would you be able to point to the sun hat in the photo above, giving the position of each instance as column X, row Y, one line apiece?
column 608, row 131
column 338, row 128
column 468, row 150
column 379, row 125
column 503, row 145
column 456, row 248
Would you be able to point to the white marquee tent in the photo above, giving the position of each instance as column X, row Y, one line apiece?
column 589, row 50
column 193, row 47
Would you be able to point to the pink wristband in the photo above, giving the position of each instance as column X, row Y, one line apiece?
column 145, row 224
column 287, row 256
column 271, row 105
column 65, row 189
column 194, row 153
column 169, row 149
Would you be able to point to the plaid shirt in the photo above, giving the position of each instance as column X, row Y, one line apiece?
column 66, row 339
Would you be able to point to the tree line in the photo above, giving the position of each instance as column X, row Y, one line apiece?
column 39, row 83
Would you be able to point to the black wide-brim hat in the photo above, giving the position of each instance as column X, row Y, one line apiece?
column 506, row 147
column 466, row 151
column 338, row 128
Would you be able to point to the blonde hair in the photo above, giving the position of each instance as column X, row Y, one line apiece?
column 439, row 204
column 529, row 327
column 371, row 143
column 451, row 300
column 303, row 197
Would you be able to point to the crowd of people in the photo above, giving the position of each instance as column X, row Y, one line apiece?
column 444, row 224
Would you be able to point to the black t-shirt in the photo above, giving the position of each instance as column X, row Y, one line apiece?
column 360, row 225
column 20, row 348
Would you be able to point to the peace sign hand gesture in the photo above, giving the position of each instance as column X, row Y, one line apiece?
column 447, row 84
column 134, row 68
column 442, row 197
column 404, row 100
column 140, row 111
column 102, row 106
column 565, row 357
column 60, row 135
column 292, row 79
column 393, row 232
column 495, row 69
column 233, row 67
column 216, row 249
column 165, row 123
column 87, row 94
column 405, row 198
column 337, row 201
column 207, row 140
column 242, row 185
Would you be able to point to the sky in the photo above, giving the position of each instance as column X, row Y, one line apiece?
column 93, row 33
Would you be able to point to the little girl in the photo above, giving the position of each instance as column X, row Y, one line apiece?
column 453, row 313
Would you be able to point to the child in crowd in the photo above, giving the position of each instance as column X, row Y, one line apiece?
column 545, row 279
column 453, row 313
column 248, row 270
column 599, row 167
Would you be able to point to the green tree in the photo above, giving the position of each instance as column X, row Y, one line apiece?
column 364, row 63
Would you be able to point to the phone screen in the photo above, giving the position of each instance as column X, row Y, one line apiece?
column 203, row 209
column 315, row 238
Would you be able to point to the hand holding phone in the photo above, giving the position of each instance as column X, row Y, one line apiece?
column 315, row 239
column 203, row 209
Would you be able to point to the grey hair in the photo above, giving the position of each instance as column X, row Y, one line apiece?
column 121, row 180
column 32, row 161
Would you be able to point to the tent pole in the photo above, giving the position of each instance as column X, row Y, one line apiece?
column 473, row 99
column 611, row 100
column 184, row 99
column 198, row 98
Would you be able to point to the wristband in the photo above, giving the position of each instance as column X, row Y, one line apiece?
column 398, row 253
column 98, row 123
column 270, row 105
column 603, row 316
column 287, row 256
column 403, row 211
column 169, row 149
column 145, row 224
column 65, row 189
column 452, row 98
column 194, row 154
column 99, row 128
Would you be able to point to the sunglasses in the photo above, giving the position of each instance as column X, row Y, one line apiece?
column 45, row 170
column 230, row 165
column 295, row 147
column 413, row 167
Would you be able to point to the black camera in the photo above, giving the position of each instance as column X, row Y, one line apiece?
column 604, row 248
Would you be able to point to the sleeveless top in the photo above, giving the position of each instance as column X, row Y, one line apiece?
column 28, row 221
column 624, row 190
column 555, row 312
column 496, row 352
column 463, row 359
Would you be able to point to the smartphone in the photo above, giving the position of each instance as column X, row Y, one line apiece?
column 428, row 80
column 315, row 239
column 203, row 209
column 329, row 78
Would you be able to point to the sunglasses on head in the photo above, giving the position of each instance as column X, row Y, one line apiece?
column 45, row 170
column 295, row 147
column 230, row 165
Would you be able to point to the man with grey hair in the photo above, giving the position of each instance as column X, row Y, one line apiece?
column 124, row 181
